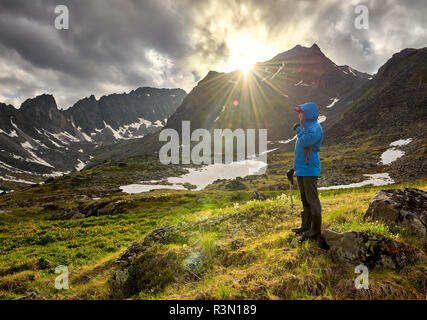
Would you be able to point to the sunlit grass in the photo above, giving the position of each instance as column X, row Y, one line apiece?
column 247, row 256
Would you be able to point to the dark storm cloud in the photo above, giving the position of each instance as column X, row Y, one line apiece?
column 118, row 45
column 105, row 47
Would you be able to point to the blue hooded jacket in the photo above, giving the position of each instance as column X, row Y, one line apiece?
column 307, row 146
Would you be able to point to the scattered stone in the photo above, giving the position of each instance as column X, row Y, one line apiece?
column 258, row 196
column 401, row 207
column 2, row 223
column 371, row 250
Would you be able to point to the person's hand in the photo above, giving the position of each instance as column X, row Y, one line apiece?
column 290, row 175
column 296, row 125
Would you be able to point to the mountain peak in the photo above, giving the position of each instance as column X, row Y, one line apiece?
column 45, row 101
column 315, row 47
column 91, row 100
column 211, row 74
column 300, row 51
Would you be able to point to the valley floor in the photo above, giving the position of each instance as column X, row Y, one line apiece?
column 247, row 255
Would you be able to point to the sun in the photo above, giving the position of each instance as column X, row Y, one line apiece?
column 245, row 51
column 245, row 66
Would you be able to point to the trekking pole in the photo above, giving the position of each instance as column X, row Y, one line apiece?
column 290, row 192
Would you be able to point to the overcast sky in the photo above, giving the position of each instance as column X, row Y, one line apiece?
column 119, row 45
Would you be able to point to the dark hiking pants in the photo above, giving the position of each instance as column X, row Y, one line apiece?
column 309, row 196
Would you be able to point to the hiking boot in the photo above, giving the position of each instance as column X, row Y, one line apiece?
column 315, row 230
column 306, row 221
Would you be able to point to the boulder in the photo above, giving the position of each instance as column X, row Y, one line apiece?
column 258, row 196
column 78, row 215
column 130, row 254
column 354, row 247
column 193, row 261
column 66, row 215
column 235, row 184
column 118, row 282
column 406, row 208
column 49, row 180
column 157, row 235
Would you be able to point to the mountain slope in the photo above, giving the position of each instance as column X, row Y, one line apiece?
column 125, row 116
column 393, row 103
column 262, row 98
column 387, row 112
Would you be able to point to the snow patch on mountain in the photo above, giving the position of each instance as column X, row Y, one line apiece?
column 351, row 71
column 64, row 137
column 392, row 154
column 301, row 83
column 12, row 134
column 289, row 140
column 278, row 71
column 219, row 115
column 321, row 118
column 128, row 131
column 80, row 165
column 13, row 179
column 377, row 179
column 401, row 142
column 333, row 102
column 34, row 158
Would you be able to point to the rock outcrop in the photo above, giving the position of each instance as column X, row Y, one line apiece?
column 258, row 196
column 405, row 208
column 356, row 248
column 236, row 184
column 142, row 257
column 30, row 296
column 94, row 208
column 117, row 283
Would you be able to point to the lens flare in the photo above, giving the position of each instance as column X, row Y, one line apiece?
column 245, row 51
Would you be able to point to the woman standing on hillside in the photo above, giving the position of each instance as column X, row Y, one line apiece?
column 307, row 168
